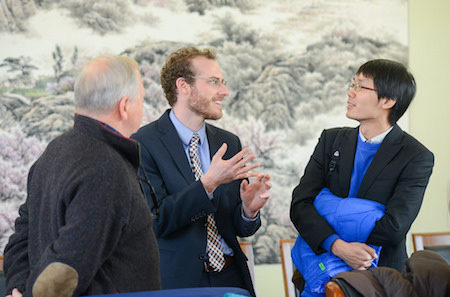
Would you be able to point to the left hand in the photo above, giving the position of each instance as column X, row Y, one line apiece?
column 255, row 194
column 15, row 293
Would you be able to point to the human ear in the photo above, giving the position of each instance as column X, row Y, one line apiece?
column 123, row 107
column 388, row 103
column 182, row 85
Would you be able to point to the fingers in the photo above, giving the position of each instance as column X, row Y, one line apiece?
column 16, row 293
column 244, row 185
column 372, row 253
column 243, row 161
column 242, row 158
column 221, row 151
column 267, row 181
column 365, row 266
column 255, row 174
column 241, row 155
column 245, row 170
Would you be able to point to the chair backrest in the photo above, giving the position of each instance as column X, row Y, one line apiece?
column 2, row 278
column 422, row 240
column 288, row 267
column 332, row 289
column 438, row 242
column 247, row 248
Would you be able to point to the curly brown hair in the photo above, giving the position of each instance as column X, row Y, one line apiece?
column 179, row 65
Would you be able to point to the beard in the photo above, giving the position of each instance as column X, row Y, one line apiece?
column 205, row 107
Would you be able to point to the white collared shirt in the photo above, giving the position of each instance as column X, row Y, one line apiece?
column 377, row 139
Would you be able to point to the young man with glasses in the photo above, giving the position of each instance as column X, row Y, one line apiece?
column 375, row 161
column 199, row 172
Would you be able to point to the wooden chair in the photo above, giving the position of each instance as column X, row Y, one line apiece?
column 423, row 240
column 340, row 288
column 438, row 242
column 247, row 248
column 2, row 278
column 332, row 289
column 288, row 267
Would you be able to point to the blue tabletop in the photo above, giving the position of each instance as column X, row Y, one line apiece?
column 187, row 292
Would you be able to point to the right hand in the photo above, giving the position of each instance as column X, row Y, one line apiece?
column 15, row 293
column 358, row 256
column 224, row 171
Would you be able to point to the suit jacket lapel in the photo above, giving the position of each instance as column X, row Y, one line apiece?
column 389, row 148
column 213, row 140
column 214, row 143
column 169, row 137
column 347, row 153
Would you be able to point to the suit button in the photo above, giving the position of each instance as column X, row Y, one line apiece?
column 202, row 257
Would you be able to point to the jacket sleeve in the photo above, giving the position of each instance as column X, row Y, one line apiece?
column 404, row 204
column 243, row 227
column 16, row 264
column 313, row 228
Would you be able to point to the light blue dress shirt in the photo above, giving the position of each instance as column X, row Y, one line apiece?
column 185, row 135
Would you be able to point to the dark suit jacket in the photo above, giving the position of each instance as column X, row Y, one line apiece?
column 184, row 205
column 397, row 177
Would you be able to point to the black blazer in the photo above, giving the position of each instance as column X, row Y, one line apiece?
column 184, row 205
column 397, row 177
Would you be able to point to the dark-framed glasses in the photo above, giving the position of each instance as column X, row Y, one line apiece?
column 213, row 81
column 357, row 87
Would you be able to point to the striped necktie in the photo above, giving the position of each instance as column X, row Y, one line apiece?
column 215, row 253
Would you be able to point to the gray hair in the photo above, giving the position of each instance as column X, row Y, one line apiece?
column 104, row 81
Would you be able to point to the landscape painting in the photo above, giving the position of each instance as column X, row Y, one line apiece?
column 288, row 64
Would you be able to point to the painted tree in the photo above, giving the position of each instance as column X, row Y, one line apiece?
column 17, row 153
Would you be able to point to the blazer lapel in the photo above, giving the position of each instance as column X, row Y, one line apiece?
column 169, row 137
column 213, row 140
column 214, row 143
column 347, row 153
column 389, row 148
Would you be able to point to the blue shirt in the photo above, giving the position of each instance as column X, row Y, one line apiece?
column 185, row 135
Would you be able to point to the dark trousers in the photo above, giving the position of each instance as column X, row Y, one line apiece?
column 228, row 277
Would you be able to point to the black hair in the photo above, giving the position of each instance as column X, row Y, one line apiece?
column 393, row 81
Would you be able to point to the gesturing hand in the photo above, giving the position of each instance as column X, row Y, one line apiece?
column 224, row 171
column 255, row 194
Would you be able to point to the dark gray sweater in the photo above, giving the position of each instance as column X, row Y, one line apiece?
column 85, row 208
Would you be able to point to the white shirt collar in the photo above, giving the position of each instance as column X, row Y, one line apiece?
column 377, row 139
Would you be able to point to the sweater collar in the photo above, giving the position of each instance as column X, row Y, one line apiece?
column 127, row 147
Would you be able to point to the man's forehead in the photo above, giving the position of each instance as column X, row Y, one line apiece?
column 205, row 66
column 362, row 77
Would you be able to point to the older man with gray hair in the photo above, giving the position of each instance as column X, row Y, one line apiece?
column 85, row 227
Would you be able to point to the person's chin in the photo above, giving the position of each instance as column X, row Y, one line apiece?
column 349, row 115
column 215, row 116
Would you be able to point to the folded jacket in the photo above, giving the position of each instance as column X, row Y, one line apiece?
column 353, row 219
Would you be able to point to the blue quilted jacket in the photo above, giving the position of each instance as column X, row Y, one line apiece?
column 353, row 219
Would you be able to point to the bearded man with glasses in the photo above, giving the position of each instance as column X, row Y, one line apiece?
column 375, row 167
column 199, row 175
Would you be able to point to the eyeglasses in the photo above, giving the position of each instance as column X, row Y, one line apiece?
column 213, row 81
column 357, row 87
